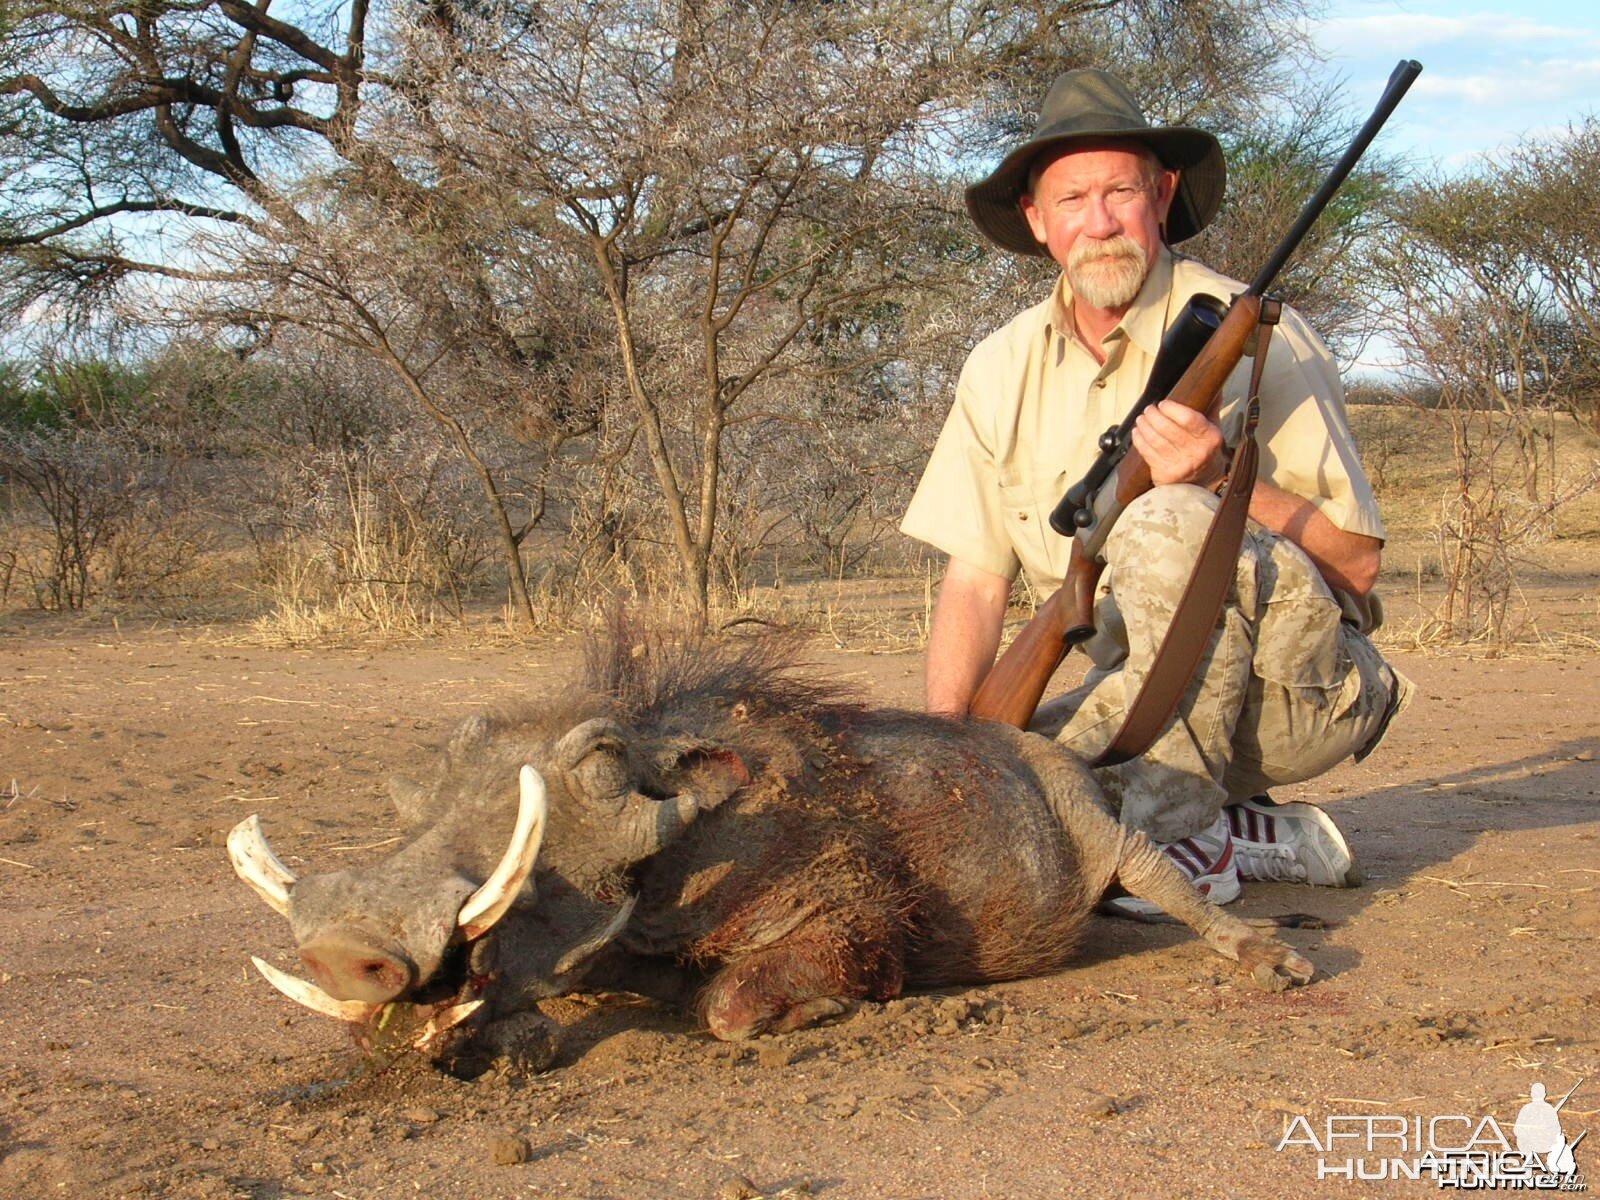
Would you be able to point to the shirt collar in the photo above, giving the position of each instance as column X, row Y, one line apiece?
column 1144, row 323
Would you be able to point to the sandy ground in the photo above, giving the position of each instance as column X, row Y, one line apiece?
column 141, row 1056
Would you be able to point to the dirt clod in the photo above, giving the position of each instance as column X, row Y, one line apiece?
column 775, row 1054
column 509, row 1149
column 956, row 1009
column 1098, row 1108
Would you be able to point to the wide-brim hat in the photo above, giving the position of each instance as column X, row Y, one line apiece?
column 1090, row 105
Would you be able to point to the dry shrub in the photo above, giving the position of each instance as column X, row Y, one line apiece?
column 1387, row 435
column 1462, row 525
column 91, row 514
column 379, row 538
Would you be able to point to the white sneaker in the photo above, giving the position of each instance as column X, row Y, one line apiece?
column 1206, row 860
column 1290, row 843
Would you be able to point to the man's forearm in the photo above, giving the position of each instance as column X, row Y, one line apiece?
column 1183, row 446
column 964, row 637
column 1348, row 561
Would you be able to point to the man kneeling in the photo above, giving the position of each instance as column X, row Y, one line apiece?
column 1290, row 683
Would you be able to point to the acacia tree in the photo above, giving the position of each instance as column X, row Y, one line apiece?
column 630, row 222
column 1548, row 186
column 212, row 163
column 1492, row 295
column 742, row 183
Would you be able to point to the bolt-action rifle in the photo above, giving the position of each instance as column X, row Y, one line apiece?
column 1197, row 354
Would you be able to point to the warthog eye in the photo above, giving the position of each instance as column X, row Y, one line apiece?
column 602, row 773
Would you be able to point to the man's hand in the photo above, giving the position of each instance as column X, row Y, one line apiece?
column 1179, row 445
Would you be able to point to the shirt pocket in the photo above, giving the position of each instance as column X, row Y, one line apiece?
column 1026, row 504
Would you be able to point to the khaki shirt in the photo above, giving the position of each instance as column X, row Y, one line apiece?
column 1032, row 402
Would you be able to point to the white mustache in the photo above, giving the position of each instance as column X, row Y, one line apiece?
column 1118, row 247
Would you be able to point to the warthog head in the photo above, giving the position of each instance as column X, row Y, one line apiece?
column 401, row 949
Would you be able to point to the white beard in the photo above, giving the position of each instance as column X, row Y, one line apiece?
column 1106, row 274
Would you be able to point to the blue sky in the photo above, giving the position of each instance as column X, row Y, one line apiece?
column 1491, row 74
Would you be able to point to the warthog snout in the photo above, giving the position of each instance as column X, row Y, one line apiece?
column 350, row 966
column 356, row 971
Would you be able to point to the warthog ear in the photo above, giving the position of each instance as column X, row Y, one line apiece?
column 471, row 735
column 580, row 741
column 711, row 771
column 409, row 798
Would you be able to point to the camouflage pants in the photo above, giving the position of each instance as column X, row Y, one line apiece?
column 1285, row 690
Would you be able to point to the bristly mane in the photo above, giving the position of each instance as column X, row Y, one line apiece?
column 646, row 669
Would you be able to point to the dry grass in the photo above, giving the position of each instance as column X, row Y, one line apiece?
column 382, row 588
column 1550, row 607
column 1407, row 452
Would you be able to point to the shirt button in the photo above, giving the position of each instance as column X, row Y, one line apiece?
column 1022, row 516
column 1099, row 383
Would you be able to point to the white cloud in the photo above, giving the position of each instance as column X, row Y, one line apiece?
column 1491, row 79
column 1549, row 81
column 1416, row 30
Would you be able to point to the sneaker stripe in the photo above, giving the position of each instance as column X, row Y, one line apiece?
column 1222, row 864
column 1202, row 856
column 1179, row 858
column 1183, row 854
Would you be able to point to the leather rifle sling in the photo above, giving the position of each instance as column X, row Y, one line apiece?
column 1195, row 619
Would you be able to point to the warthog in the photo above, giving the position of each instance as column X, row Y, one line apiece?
column 701, row 822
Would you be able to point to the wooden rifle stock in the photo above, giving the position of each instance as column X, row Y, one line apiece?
column 1010, row 693
column 1199, row 388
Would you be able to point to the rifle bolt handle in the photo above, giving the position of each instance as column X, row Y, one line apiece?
column 1108, row 440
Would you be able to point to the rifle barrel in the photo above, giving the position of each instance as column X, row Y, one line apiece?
column 1400, row 82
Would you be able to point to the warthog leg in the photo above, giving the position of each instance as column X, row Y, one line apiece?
column 1149, row 874
column 1109, row 850
column 774, row 991
column 821, row 970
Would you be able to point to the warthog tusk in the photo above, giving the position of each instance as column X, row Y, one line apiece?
column 257, row 865
column 490, row 902
column 313, row 997
column 444, row 1020
column 580, row 954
